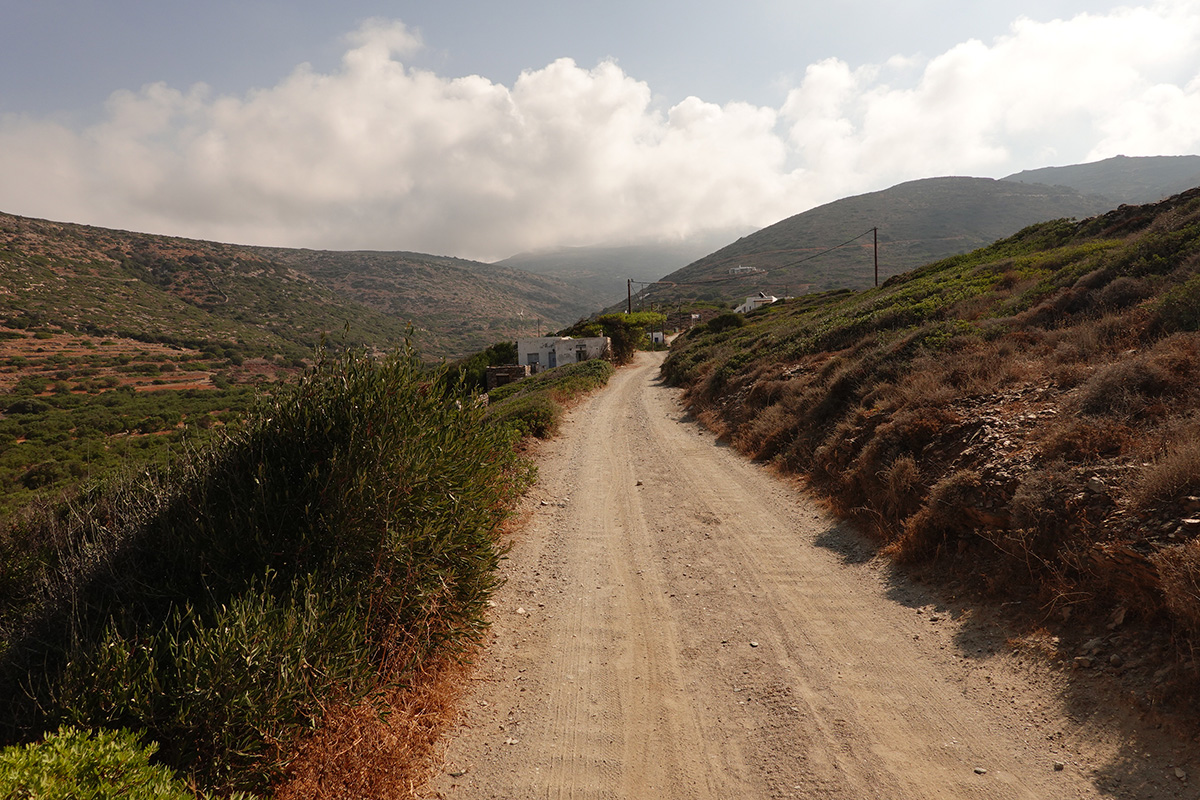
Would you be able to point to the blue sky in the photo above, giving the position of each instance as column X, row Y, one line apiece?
column 69, row 56
column 482, row 129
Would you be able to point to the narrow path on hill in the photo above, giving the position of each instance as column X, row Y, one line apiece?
column 680, row 623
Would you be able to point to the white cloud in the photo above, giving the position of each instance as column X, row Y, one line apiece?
column 1080, row 89
column 376, row 154
column 379, row 155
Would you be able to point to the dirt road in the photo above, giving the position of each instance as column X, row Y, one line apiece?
column 679, row 623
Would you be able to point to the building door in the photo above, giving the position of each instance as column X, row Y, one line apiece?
column 553, row 354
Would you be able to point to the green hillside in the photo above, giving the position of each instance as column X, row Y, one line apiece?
column 122, row 349
column 261, row 301
column 1023, row 419
column 458, row 306
column 918, row 222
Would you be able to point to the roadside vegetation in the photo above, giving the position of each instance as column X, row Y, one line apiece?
column 534, row 406
column 71, row 764
column 1023, row 419
column 278, row 607
column 340, row 538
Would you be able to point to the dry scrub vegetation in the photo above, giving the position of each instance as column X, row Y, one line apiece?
column 1023, row 419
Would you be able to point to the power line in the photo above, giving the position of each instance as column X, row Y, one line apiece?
column 830, row 250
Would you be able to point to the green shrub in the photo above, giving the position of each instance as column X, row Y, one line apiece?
column 473, row 370
column 529, row 415
column 726, row 321
column 533, row 406
column 1179, row 309
column 76, row 765
column 31, row 384
column 27, row 406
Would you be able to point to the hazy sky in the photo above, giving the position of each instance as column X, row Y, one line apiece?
column 481, row 129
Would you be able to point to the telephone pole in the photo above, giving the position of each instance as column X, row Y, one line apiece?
column 876, row 232
column 629, row 292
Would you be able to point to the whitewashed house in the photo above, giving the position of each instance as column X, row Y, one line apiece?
column 553, row 351
column 755, row 301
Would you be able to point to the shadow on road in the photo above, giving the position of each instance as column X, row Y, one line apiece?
column 1113, row 699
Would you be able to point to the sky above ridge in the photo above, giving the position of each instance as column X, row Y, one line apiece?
column 482, row 129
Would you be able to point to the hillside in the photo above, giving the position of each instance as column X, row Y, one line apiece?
column 262, row 301
column 919, row 221
column 119, row 350
column 600, row 272
column 1021, row 420
column 458, row 306
column 1122, row 179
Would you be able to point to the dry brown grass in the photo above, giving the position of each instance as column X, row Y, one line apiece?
column 931, row 384
column 945, row 515
column 1124, row 292
column 1145, row 383
column 1175, row 474
column 1083, row 439
column 907, row 432
column 903, row 489
column 1088, row 339
column 1179, row 575
column 385, row 749
column 768, row 431
column 1043, row 515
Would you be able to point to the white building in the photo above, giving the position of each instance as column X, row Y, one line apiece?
column 755, row 301
column 554, row 351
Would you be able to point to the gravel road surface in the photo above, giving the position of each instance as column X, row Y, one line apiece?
column 678, row 622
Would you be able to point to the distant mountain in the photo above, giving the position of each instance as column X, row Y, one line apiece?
column 1122, row 179
column 261, row 301
column 460, row 306
column 918, row 222
column 600, row 273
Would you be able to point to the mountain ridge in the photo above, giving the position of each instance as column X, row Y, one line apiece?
column 1132, row 180
column 604, row 269
column 282, row 300
column 917, row 222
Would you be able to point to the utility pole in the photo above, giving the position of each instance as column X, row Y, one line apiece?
column 876, row 232
column 629, row 292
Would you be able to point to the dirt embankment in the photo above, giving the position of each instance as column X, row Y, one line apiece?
column 679, row 623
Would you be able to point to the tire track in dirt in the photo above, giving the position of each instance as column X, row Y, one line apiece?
column 679, row 623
